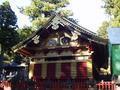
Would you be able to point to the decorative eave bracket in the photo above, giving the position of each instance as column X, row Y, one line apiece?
column 36, row 39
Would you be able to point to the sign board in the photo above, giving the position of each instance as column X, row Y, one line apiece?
column 116, row 59
column 114, row 35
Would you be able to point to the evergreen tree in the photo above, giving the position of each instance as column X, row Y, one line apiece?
column 40, row 10
column 112, row 8
column 102, row 32
column 25, row 32
column 8, row 35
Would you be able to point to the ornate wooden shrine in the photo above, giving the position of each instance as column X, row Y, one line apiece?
column 64, row 51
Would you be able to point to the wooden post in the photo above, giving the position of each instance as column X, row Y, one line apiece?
column 5, row 85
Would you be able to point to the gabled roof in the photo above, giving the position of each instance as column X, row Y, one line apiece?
column 54, row 23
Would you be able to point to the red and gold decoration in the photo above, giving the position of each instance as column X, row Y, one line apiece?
column 65, row 70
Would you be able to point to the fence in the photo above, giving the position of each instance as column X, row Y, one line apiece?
column 39, row 84
column 5, row 85
column 110, row 85
column 61, row 85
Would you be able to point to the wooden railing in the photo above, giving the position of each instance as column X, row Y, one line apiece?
column 109, row 85
column 39, row 84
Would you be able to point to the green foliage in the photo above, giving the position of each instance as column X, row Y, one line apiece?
column 40, row 10
column 8, row 38
column 102, row 32
column 112, row 8
column 8, row 35
column 7, row 16
column 25, row 32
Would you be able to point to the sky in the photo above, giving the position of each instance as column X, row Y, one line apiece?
column 88, row 12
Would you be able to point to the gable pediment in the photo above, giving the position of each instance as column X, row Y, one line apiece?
column 61, row 39
column 58, row 32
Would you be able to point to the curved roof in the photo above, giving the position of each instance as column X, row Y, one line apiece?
column 54, row 22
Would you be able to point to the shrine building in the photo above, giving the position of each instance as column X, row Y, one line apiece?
column 64, row 53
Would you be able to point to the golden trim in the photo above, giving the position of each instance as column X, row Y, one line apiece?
column 73, row 70
column 31, row 71
column 82, row 54
column 58, row 70
column 44, row 70
column 89, row 68
column 59, row 61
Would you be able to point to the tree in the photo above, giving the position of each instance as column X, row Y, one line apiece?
column 8, row 34
column 40, row 10
column 112, row 8
column 25, row 32
column 102, row 32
